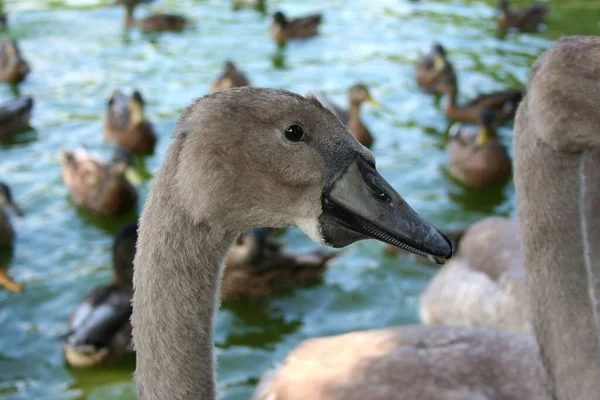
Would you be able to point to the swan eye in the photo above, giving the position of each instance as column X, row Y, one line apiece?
column 295, row 133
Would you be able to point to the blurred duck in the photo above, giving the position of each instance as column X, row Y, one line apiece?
column 357, row 95
column 258, row 5
column 154, row 23
column 14, row 116
column 99, row 327
column 126, row 125
column 524, row 19
column 7, row 233
column 96, row 184
column 283, row 28
column 13, row 67
column 257, row 266
column 477, row 157
column 433, row 69
column 230, row 77
column 503, row 104
column 484, row 284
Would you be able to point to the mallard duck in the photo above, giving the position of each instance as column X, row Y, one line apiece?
column 503, row 104
column 14, row 116
column 258, row 5
column 230, row 78
column 13, row 67
column 478, row 158
column 357, row 95
column 433, row 69
column 283, row 29
column 126, row 125
column 257, row 266
column 96, row 184
column 161, row 22
column 99, row 327
column 524, row 19
column 7, row 233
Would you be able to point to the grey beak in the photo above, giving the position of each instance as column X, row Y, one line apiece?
column 360, row 204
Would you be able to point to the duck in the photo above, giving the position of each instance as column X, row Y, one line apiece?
column 99, row 327
column 257, row 267
column 357, row 95
column 526, row 19
column 258, row 5
column 503, row 103
column 484, row 285
column 161, row 22
column 557, row 178
column 434, row 68
column 13, row 67
column 477, row 157
column 125, row 124
column 269, row 157
column 230, row 77
column 283, row 29
column 7, row 233
column 98, row 185
column 15, row 116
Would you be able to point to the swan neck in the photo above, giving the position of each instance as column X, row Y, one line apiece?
column 556, row 194
column 176, row 280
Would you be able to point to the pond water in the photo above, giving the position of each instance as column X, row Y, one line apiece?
column 79, row 52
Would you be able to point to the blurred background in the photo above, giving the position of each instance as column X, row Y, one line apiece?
column 79, row 52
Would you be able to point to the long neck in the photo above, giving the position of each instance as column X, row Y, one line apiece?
column 556, row 195
column 176, row 280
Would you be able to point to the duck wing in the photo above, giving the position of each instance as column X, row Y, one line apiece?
column 15, row 108
column 103, row 313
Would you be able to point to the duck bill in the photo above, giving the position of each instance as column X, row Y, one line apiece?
column 360, row 204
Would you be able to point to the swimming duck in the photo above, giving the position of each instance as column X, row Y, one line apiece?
column 14, row 116
column 524, row 19
column 477, row 157
column 357, row 95
column 283, row 29
column 161, row 22
column 96, row 184
column 126, row 125
column 13, row 67
column 7, row 233
column 503, row 104
column 257, row 266
column 99, row 327
column 433, row 69
column 230, row 78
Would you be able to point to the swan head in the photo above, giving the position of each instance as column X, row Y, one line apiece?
column 250, row 157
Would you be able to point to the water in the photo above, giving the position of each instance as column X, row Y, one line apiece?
column 79, row 53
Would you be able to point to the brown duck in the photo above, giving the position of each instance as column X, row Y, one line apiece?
column 161, row 22
column 283, row 29
column 125, row 123
column 13, row 67
column 433, row 69
column 14, row 116
column 357, row 95
column 257, row 266
column 230, row 77
column 524, row 19
column 96, row 184
column 99, row 327
column 7, row 233
column 479, row 159
column 502, row 103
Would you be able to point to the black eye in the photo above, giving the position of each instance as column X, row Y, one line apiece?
column 295, row 133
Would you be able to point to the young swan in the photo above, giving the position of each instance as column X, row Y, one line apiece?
column 245, row 158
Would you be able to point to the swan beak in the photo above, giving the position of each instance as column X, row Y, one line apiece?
column 360, row 204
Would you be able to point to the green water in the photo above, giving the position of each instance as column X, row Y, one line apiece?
column 80, row 52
